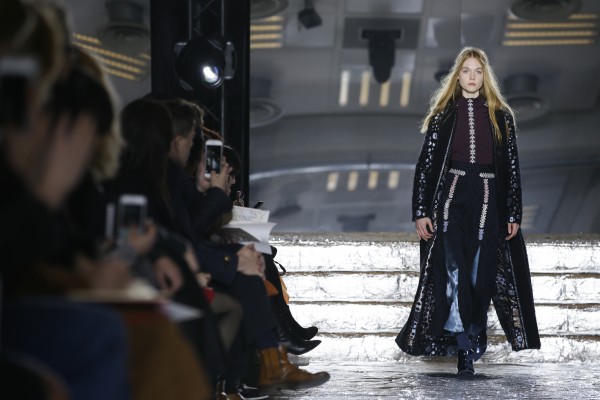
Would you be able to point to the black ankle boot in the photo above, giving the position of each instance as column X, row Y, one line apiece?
column 286, row 319
column 293, row 344
column 465, row 363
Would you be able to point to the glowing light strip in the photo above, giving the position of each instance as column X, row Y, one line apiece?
column 405, row 92
column 352, row 181
column 365, row 81
column 550, row 25
column 332, row 181
column 265, row 45
column 393, row 179
column 144, row 55
column 275, row 18
column 112, row 54
column 373, row 178
column 584, row 16
column 266, row 36
column 344, row 88
column 266, row 28
column 571, row 17
column 86, row 38
column 121, row 74
column 550, row 42
column 384, row 94
column 122, row 66
column 551, row 34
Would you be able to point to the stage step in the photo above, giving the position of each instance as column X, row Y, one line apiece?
column 358, row 289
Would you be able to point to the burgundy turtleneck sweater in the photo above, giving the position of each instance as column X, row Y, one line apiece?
column 472, row 141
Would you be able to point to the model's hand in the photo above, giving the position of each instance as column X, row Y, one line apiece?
column 424, row 228
column 513, row 228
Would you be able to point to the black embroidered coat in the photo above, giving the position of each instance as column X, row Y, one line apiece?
column 513, row 298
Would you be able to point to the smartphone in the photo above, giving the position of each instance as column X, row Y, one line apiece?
column 17, row 75
column 131, row 214
column 214, row 154
column 258, row 205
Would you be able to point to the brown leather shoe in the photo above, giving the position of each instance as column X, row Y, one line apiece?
column 276, row 372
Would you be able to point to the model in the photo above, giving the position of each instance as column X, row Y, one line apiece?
column 467, row 211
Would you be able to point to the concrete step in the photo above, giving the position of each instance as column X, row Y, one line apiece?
column 401, row 286
column 358, row 289
column 380, row 347
column 389, row 317
column 400, row 252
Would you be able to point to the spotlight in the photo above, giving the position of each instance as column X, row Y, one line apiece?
column 308, row 16
column 522, row 95
column 204, row 62
column 382, row 52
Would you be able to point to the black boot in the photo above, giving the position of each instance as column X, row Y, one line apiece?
column 293, row 344
column 286, row 319
column 465, row 363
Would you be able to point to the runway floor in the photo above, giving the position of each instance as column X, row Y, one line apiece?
column 427, row 380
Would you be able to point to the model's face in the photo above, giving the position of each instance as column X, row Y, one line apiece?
column 470, row 77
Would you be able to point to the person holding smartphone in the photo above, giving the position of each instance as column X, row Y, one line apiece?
column 467, row 211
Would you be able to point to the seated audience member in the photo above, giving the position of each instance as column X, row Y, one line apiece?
column 147, row 129
column 84, row 345
column 243, row 283
column 296, row 337
column 42, row 159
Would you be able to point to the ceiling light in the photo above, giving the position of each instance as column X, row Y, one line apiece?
column 393, row 179
column 126, row 31
column 365, row 81
column 382, row 52
column 267, row 8
column 308, row 16
column 405, row 91
column 352, row 181
column 344, row 87
column 521, row 94
column 204, row 62
column 545, row 10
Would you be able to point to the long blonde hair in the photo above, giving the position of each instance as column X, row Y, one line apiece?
column 450, row 90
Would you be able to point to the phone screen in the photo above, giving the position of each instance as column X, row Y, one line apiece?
column 13, row 102
column 213, row 158
column 16, row 75
column 131, row 215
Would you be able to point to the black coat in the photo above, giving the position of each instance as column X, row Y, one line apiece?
column 513, row 298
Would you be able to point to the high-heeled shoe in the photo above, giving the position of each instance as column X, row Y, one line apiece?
column 286, row 319
column 293, row 344
column 465, row 363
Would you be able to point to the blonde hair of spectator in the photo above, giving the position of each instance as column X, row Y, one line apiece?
column 105, row 159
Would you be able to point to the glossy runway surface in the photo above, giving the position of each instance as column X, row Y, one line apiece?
column 437, row 380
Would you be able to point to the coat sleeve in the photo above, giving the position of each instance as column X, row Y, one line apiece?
column 423, row 185
column 514, row 202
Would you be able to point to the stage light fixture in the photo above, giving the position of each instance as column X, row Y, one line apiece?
column 382, row 52
column 308, row 16
column 204, row 62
